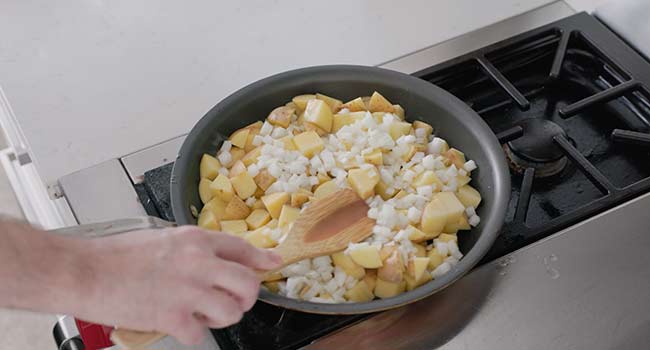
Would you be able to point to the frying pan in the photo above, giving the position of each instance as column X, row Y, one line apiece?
column 450, row 117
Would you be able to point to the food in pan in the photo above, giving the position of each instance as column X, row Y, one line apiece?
column 416, row 186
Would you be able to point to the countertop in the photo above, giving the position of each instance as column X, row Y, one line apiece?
column 93, row 80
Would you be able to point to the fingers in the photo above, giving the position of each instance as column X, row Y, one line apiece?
column 236, row 249
column 219, row 308
column 239, row 281
column 188, row 330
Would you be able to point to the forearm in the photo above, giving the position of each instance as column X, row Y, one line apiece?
column 39, row 271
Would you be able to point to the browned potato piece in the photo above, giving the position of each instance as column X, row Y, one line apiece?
column 393, row 269
column 236, row 154
column 456, row 157
column 422, row 125
column 379, row 103
column 236, row 209
column 264, row 179
column 281, row 116
column 298, row 199
column 355, row 105
column 371, row 278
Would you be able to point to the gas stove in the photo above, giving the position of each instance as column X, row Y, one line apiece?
column 568, row 101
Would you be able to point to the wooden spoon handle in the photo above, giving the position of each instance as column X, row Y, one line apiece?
column 129, row 339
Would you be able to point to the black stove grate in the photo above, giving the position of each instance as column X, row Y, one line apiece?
column 574, row 74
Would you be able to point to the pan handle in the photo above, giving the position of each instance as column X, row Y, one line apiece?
column 112, row 227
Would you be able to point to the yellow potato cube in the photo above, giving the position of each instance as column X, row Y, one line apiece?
column 367, row 256
column 363, row 182
column 237, row 169
column 379, row 103
column 208, row 221
column 384, row 289
column 410, row 153
column 427, row 178
column 251, row 156
column 274, row 202
column 456, row 157
column 400, row 194
column 274, row 276
column 258, row 205
column 234, row 226
column 461, row 224
column 435, row 259
column 324, row 189
column 301, row 101
column 272, row 224
column 264, row 179
column 346, row 264
column 319, row 113
column 434, row 218
column 288, row 143
column 322, row 178
column 399, row 111
column 251, row 135
column 421, row 251
column 332, row 103
column 288, row 215
column 222, row 188
column 309, row 126
column 359, row 293
column 244, row 185
column 260, row 239
column 392, row 269
column 355, row 105
column 453, row 206
column 418, row 235
column 399, row 129
column 281, row 116
column 298, row 199
column 205, row 193
column 342, row 119
column 236, row 209
column 469, row 196
column 308, row 143
column 239, row 137
column 209, row 167
column 446, row 237
column 417, row 267
column 411, row 283
column 370, row 278
column 257, row 219
column 422, row 125
column 375, row 157
column 379, row 117
column 217, row 207
column 273, row 286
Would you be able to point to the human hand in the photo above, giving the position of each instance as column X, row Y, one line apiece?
column 177, row 280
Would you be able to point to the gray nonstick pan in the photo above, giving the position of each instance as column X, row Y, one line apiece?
column 450, row 117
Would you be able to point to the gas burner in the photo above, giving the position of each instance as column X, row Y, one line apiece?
column 536, row 148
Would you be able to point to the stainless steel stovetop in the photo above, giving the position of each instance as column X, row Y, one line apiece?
column 581, row 288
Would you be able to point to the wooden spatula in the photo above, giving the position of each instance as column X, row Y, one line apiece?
column 325, row 227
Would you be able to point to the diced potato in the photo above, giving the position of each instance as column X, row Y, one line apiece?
column 274, row 276
column 301, row 101
column 332, row 103
column 366, row 256
column 422, row 125
column 375, row 157
column 355, row 105
column 239, row 137
column 298, row 199
column 400, row 194
column 392, row 269
column 236, row 209
column 381, row 188
column 399, row 111
column 251, row 157
column 309, row 126
column 264, row 179
column 234, row 226
column 208, row 221
column 347, row 265
column 427, row 178
column 272, row 224
column 461, row 224
column 274, row 202
column 288, row 143
column 222, row 188
column 254, row 126
column 468, row 196
column 444, row 208
column 386, row 251
column 244, row 185
column 273, row 286
column 281, row 116
column 322, row 178
column 399, row 129
column 236, row 154
column 446, row 237
column 371, row 278
column 342, row 119
column 456, row 157
column 217, row 207
column 205, row 193
column 462, row 180
column 418, row 235
column 417, row 267
column 363, row 182
column 209, row 167
column 308, row 143
column 324, row 189
column 258, row 194
column 379, row 117
column 384, row 289
column 258, row 204
column 360, row 293
column 251, row 135
column 420, row 250
column 288, row 215
column 410, row 153
column 379, row 103
column 435, row 259
column 366, row 102
column 237, row 169
column 411, row 283
column 259, row 239
column 257, row 219
column 320, row 114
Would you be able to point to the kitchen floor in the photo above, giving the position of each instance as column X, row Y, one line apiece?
column 19, row 329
